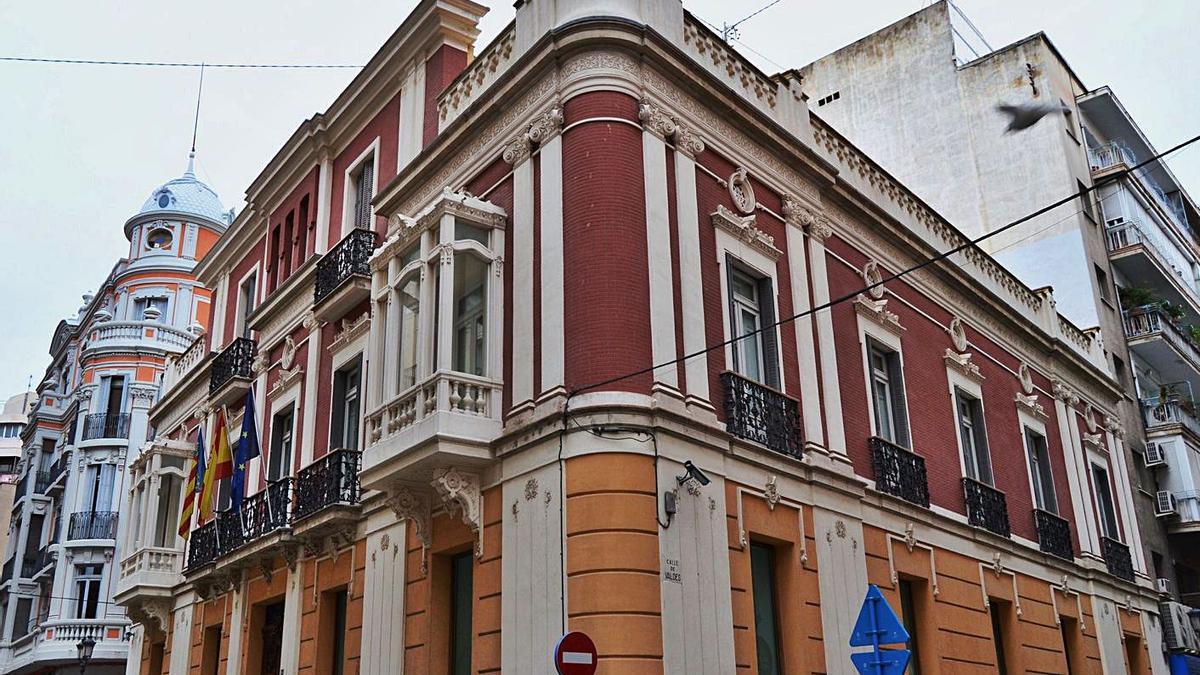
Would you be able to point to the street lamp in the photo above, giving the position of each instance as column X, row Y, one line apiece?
column 85, row 647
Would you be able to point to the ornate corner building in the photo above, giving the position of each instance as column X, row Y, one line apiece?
column 490, row 303
column 69, row 533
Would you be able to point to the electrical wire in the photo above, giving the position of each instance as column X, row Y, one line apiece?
column 970, row 243
column 172, row 64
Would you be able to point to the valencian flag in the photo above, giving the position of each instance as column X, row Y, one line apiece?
column 247, row 449
column 221, row 467
column 194, row 483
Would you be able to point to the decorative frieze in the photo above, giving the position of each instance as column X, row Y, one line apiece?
column 744, row 228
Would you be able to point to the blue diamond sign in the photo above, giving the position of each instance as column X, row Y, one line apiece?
column 878, row 625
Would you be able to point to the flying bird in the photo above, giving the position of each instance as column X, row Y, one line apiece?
column 1024, row 115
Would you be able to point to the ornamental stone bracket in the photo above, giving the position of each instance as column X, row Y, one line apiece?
column 142, row 396
column 660, row 123
column 1029, row 404
column 962, row 364
column 541, row 129
column 413, row 506
column 798, row 214
column 877, row 312
column 460, row 492
column 744, row 228
column 154, row 614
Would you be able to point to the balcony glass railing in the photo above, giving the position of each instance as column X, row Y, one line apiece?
column 93, row 525
column 106, row 425
column 1054, row 534
column 899, row 472
column 1116, row 556
column 987, row 507
column 763, row 415
column 349, row 258
column 235, row 361
column 329, row 481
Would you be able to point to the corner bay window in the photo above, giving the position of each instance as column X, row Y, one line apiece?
column 470, row 314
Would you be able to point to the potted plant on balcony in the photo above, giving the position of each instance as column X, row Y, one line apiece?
column 1135, row 296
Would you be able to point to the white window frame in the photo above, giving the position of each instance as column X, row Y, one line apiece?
column 867, row 332
column 1099, row 459
column 150, row 292
column 956, row 381
column 349, row 183
column 240, row 319
column 1028, row 422
column 282, row 399
column 753, row 262
column 343, row 355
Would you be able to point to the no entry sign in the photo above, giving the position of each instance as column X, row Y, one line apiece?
column 575, row 654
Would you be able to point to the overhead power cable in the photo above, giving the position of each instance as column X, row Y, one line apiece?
column 173, row 64
column 971, row 243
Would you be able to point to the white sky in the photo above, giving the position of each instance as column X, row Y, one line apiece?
column 81, row 147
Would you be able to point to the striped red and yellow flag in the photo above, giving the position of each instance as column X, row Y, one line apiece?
column 220, row 467
column 194, row 483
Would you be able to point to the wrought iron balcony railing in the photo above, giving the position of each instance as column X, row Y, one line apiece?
column 202, row 545
column 93, row 525
column 1054, row 534
column 59, row 467
column 267, row 511
column 41, row 482
column 986, row 507
column 1116, row 556
column 899, row 472
column 349, row 258
column 106, row 425
column 329, row 481
column 235, row 361
column 758, row 413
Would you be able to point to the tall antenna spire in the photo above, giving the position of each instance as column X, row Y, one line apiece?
column 196, row 122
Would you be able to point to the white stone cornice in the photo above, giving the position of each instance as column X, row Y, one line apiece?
column 744, row 228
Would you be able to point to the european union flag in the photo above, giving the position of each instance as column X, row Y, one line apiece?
column 247, row 449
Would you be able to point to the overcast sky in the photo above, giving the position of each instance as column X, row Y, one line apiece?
column 81, row 147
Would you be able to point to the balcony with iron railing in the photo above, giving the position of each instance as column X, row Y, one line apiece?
column 58, row 469
column 899, row 472
column 232, row 370
column 1159, row 414
column 755, row 412
column 1117, row 557
column 41, row 483
column 1140, row 252
column 266, row 513
column 1054, row 534
column 343, row 277
column 92, row 525
column 1157, row 338
column 106, row 425
column 987, row 507
column 329, row 482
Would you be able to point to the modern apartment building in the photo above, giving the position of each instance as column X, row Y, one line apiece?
column 462, row 296
column 86, row 429
column 1123, row 257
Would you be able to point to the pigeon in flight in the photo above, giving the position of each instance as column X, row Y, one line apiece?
column 1024, row 115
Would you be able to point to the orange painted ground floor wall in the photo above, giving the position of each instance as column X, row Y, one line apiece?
column 488, row 577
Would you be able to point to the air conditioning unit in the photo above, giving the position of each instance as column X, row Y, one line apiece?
column 1164, row 504
column 1178, row 631
column 1155, row 455
column 1163, row 586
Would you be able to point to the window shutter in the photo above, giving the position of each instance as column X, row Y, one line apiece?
column 366, row 184
column 899, row 406
column 339, row 411
column 733, row 322
column 770, row 335
column 982, row 456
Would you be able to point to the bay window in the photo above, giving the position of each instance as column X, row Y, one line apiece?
column 470, row 314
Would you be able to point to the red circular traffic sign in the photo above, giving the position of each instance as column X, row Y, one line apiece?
column 575, row 654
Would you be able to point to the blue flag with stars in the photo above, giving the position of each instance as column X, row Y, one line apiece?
column 246, row 450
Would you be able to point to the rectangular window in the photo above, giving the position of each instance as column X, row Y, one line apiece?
column 1104, row 501
column 887, row 394
column 998, row 636
column 470, row 314
column 1089, row 204
column 461, row 608
column 347, row 383
column 976, row 462
column 98, row 487
column 364, row 189
column 752, row 319
column 87, row 590
column 410, row 313
column 282, row 428
column 766, row 631
column 247, row 293
column 1039, row 472
column 170, row 488
column 338, row 664
column 1102, row 284
column 210, row 651
column 908, row 611
column 114, row 394
column 22, row 624
column 140, row 305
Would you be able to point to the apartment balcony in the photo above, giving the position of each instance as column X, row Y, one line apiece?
column 109, row 426
column 449, row 418
column 1116, row 556
column 179, row 367
column 1054, row 534
column 43, row 564
column 899, row 472
column 150, row 572
column 987, row 507
column 58, row 472
column 232, row 371
column 1138, row 251
column 58, row 640
column 128, row 335
column 1154, row 337
column 327, row 493
column 757, row 413
column 344, row 275
column 1115, row 156
column 92, row 525
column 1170, row 414
column 237, row 539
